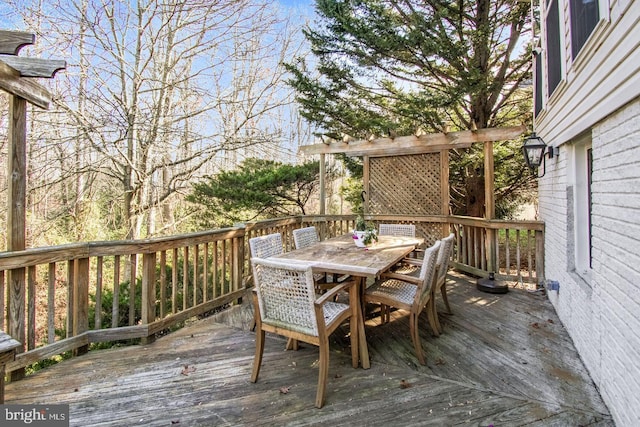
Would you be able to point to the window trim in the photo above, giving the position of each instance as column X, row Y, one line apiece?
column 582, row 173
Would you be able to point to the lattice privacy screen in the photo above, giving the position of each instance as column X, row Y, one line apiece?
column 407, row 185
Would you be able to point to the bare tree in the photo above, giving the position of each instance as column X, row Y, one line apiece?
column 155, row 93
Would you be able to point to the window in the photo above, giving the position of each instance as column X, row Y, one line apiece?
column 583, row 161
column 584, row 17
column 554, row 57
column 537, row 101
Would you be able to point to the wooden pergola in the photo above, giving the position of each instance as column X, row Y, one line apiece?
column 16, row 75
column 410, row 174
column 420, row 144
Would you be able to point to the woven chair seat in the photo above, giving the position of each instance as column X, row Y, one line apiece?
column 408, row 269
column 331, row 311
column 396, row 289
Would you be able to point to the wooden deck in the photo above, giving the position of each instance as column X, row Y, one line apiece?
column 503, row 360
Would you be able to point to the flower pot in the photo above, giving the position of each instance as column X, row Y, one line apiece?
column 358, row 238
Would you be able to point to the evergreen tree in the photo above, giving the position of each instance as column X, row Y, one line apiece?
column 393, row 66
column 258, row 189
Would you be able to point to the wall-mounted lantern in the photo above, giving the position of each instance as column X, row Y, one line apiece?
column 535, row 151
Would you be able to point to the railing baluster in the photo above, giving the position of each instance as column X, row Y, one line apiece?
column 507, row 244
column 31, row 307
column 133, row 275
column 196, row 263
column 518, row 263
column 174, row 281
column 115, row 306
column 163, row 284
column 185, row 277
column 216, row 266
column 98, row 310
column 51, row 301
column 205, row 273
column 70, row 297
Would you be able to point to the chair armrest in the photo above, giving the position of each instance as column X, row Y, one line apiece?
column 331, row 293
column 413, row 261
column 403, row 277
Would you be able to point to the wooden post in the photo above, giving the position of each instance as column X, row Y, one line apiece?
column 16, row 214
column 323, row 183
column 490, row 208
column 365, row 184
column 444, row 189
column 21, row 91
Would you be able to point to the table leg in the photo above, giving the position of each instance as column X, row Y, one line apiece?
column 362, row 338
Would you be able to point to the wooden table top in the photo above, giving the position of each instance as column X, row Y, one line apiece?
column 340, row 255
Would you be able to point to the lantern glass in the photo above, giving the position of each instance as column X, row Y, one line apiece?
column 533, row 150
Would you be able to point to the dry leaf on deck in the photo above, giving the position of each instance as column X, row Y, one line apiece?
column 186, row 370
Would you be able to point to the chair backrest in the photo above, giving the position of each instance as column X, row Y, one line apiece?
column 303, row 237
column 266, row 246
column 444, row 255
column 427, row 273
column 408, row 230
column 285, row 295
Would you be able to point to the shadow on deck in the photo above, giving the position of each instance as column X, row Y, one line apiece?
column 503, row 360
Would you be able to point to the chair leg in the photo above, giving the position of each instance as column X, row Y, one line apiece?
column 355, row 342
column 292, row 344
column 415, row 337
column 257, row 360
column 432, row 316
column 384, row 314
column 323, row 372
column 443, row 291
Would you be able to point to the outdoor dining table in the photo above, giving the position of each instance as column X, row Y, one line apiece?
column 340, row 255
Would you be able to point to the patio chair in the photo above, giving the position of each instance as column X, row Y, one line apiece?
column 444, row 254
column 266, row 246
column 285, row 304
column 307, row 236
column 408, row 293
column 411, row 266
column 408, row 230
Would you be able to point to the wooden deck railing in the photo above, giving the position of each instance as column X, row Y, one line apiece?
column 64, row 298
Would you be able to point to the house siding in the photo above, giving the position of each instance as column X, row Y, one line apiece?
column 599, row 97
column 602, row 313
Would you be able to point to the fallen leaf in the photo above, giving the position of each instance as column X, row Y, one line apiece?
column 186, row 370
column 284, row 390
column 405, row 384
column 550, row 320
column 535, row 325
column 440, row 361
column 175, row 421
column 338, row 376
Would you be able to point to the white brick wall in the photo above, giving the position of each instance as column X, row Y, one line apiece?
column 602, row 313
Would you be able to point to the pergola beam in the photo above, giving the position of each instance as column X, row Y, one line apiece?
column 414, row 144
column 34, row 67
column 33, row 92
column 12, row 41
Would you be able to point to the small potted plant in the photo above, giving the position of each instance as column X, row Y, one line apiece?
column 365, row 233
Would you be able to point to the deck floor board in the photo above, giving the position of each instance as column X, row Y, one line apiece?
column 503, row 360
